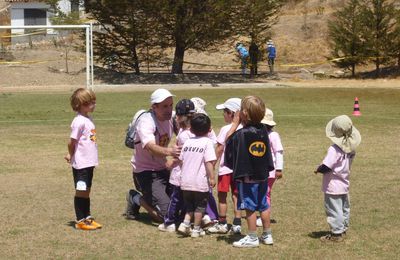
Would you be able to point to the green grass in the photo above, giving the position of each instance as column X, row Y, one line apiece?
column 36, row 198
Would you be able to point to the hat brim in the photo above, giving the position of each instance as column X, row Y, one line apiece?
column 268, row 122
column 347, row 145
column 161, row 99
column 220, row 107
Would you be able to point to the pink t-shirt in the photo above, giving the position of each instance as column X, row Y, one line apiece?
column 222, row 170
column 84, row 131
column 142, row 159
column 337, row 181
column 182, row 137
column 195, row 153
column 276, row 146
column 175, row 177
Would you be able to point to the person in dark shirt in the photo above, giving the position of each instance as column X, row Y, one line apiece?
column 248, row 154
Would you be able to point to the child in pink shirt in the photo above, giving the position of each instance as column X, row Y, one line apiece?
column 277, row 156
column 225, row 174
column 83, row 156
column 336, row 170
column 197, row 173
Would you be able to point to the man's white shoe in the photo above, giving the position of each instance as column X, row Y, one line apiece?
column 247, row 241
column 267, row 239
column 169, row 228
column 218, row 229
column 259, row 222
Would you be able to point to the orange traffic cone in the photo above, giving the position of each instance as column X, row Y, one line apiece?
column 356, row 110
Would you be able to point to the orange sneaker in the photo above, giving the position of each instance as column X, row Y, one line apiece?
column 93, row 223
column 84, row 225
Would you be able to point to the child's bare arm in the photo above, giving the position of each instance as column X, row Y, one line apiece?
column 71, row 149
column 210, row 173
column 218, row 151
column 235, row 124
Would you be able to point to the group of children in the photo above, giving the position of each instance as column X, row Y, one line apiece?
column 250, row 156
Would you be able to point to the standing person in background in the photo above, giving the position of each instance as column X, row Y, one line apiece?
column 271, row 52
column 83, row 155
column 254, row 55
column 243, row 55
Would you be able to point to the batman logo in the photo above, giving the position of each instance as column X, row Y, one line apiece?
column 257, row 149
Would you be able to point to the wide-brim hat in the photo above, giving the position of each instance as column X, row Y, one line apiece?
column 342, row 132
column 268, row 118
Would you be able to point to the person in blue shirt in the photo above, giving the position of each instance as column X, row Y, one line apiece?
column 271, row 51
column 244, row 56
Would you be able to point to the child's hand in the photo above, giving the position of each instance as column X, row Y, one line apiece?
column 278, row 174
column 212, row 182
column 316, row 172
column 68, row 158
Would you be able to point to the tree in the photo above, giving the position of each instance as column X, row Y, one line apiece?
column 396, row 40
column 128, row 31
column 191, row 24
column 254, row 19
column 345, row 37
column 379, row 20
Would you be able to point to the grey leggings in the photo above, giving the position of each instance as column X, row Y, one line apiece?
column 337, row 208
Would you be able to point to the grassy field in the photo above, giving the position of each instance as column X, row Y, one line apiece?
column 36, row 198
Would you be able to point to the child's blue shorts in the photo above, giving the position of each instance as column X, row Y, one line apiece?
column 253, row 196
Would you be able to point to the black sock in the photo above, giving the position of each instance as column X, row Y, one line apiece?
column 79, row 204
column 87, row 207
column 222, row 220
column 237, row 222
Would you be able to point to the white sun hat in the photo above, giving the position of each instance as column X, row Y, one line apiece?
column 233, row 104
column 268, row 118
column 342, row 133
column 159, row 95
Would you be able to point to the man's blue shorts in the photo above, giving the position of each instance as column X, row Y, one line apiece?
column 253, row 196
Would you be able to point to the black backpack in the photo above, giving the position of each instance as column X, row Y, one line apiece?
column 131, row 130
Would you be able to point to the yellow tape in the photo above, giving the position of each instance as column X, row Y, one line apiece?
column 23, row 34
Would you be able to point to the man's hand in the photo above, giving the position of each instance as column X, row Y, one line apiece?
column 175, row 151
column 212, row 182
column 278, row 174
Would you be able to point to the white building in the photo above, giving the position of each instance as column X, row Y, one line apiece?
column 31, row 12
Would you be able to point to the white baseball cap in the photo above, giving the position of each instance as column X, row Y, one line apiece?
column 233, row 104
column 159, row 95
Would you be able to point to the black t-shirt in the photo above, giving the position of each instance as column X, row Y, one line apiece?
column 248, row 153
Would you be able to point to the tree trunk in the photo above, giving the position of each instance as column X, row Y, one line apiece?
column 135, row 61
column 353, row 70
column 377, row 64
column 178, row 59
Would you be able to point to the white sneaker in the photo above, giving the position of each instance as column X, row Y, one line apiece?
column 259, row 222
column 236, row 229
column 169, row 228
column 218, row 229
column 206, row 220
column 267, row 239
column 183, row 229
column 197, row 233
column 247, row 241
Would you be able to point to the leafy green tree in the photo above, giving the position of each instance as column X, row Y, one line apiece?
column 345, row 36
column 379, row 33
column 254, row 19
column 191, row 24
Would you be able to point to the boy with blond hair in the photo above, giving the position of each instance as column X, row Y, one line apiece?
column 83, row 155
column 248, row 154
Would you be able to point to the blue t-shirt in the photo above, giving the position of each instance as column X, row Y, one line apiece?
column 242, row 51
column 271, row 51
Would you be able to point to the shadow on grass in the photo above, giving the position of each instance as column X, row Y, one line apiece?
column 144, row 218
column 229, row 239
column 318, row 234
